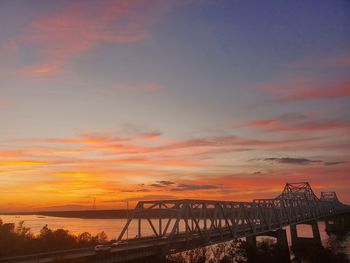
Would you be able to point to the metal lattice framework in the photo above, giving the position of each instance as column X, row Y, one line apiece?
column 329, row 196
column 209, row 221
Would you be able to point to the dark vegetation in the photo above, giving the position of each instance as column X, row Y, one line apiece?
column 265, row 251
column 16, row 240
column 319, row 254
column 220, row 253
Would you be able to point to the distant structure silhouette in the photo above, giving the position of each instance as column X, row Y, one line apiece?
column 94, row 204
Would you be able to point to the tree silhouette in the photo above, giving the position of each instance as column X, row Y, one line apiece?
column 19, row 240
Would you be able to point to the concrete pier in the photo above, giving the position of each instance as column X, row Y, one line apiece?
column 299, row 244
column 337, row 224
column 281, row 241
column 301, row 241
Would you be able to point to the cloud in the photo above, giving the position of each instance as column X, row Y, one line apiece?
column 157, row 185
column 194, row 187
column 317, row 93
column 42, row 70
column 295, row 91
column 161, row 184
column 298, row 122
column 141, row 190
column 151, row 87
column 152, row 197
column 334, row 163
column 63, row 33
column 301, row 161
column 137, row 144
column 147, row 165
column 166, row 182
column 289, row 160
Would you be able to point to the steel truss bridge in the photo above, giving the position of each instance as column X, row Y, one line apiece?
column 221, row 220
column 169, row 226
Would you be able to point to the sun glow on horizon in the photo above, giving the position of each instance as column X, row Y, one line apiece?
column 138, row 100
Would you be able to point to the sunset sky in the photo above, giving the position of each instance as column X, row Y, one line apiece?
column 146, row 99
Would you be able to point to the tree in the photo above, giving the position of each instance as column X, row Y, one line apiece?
column 84, row 238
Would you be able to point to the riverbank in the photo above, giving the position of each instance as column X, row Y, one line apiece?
column 87, row 214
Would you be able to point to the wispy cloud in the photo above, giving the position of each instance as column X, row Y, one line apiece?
column 327, row 93
column 289, row 160
column 300, row 161
column 145, row 164
column 334, row 163
column 298, row 123
column 303, row 90
column 151, row 87
column 42, row 70
column 194, row 187
column 64, row 33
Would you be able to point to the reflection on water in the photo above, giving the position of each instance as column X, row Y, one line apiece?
column 112, row 227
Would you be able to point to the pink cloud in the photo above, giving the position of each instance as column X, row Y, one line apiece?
column 131, row 165
column 75, row 29
column 278, row 125
column 42, row 70
column 151, row 87
column 302, row 90
column 331, row 92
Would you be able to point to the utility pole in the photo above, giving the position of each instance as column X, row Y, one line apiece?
column 94, row 204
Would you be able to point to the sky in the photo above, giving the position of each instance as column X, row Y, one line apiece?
column 160, row 99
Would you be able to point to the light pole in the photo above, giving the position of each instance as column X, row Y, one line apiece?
column 127, row 218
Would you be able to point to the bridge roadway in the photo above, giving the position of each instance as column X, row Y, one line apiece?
column 196, row 223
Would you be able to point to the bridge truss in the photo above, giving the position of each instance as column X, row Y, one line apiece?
column 210, row 221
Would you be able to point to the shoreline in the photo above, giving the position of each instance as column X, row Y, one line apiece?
column 84, row 214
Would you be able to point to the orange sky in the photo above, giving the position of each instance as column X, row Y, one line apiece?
column 160, row 99
column 61, row 171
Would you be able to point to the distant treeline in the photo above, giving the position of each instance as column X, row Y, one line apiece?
column 18, row 240
column 111, row 214
column 87, row 214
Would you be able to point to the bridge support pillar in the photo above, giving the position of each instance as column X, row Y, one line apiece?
column 300, row 245
column 337, row 224
column 282, row 246
column 251, row 241
column 329, row 223
column 301, row 241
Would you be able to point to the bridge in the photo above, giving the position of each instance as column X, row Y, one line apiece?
column 169, row 226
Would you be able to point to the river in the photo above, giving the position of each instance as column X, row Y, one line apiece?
column 112, row 227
